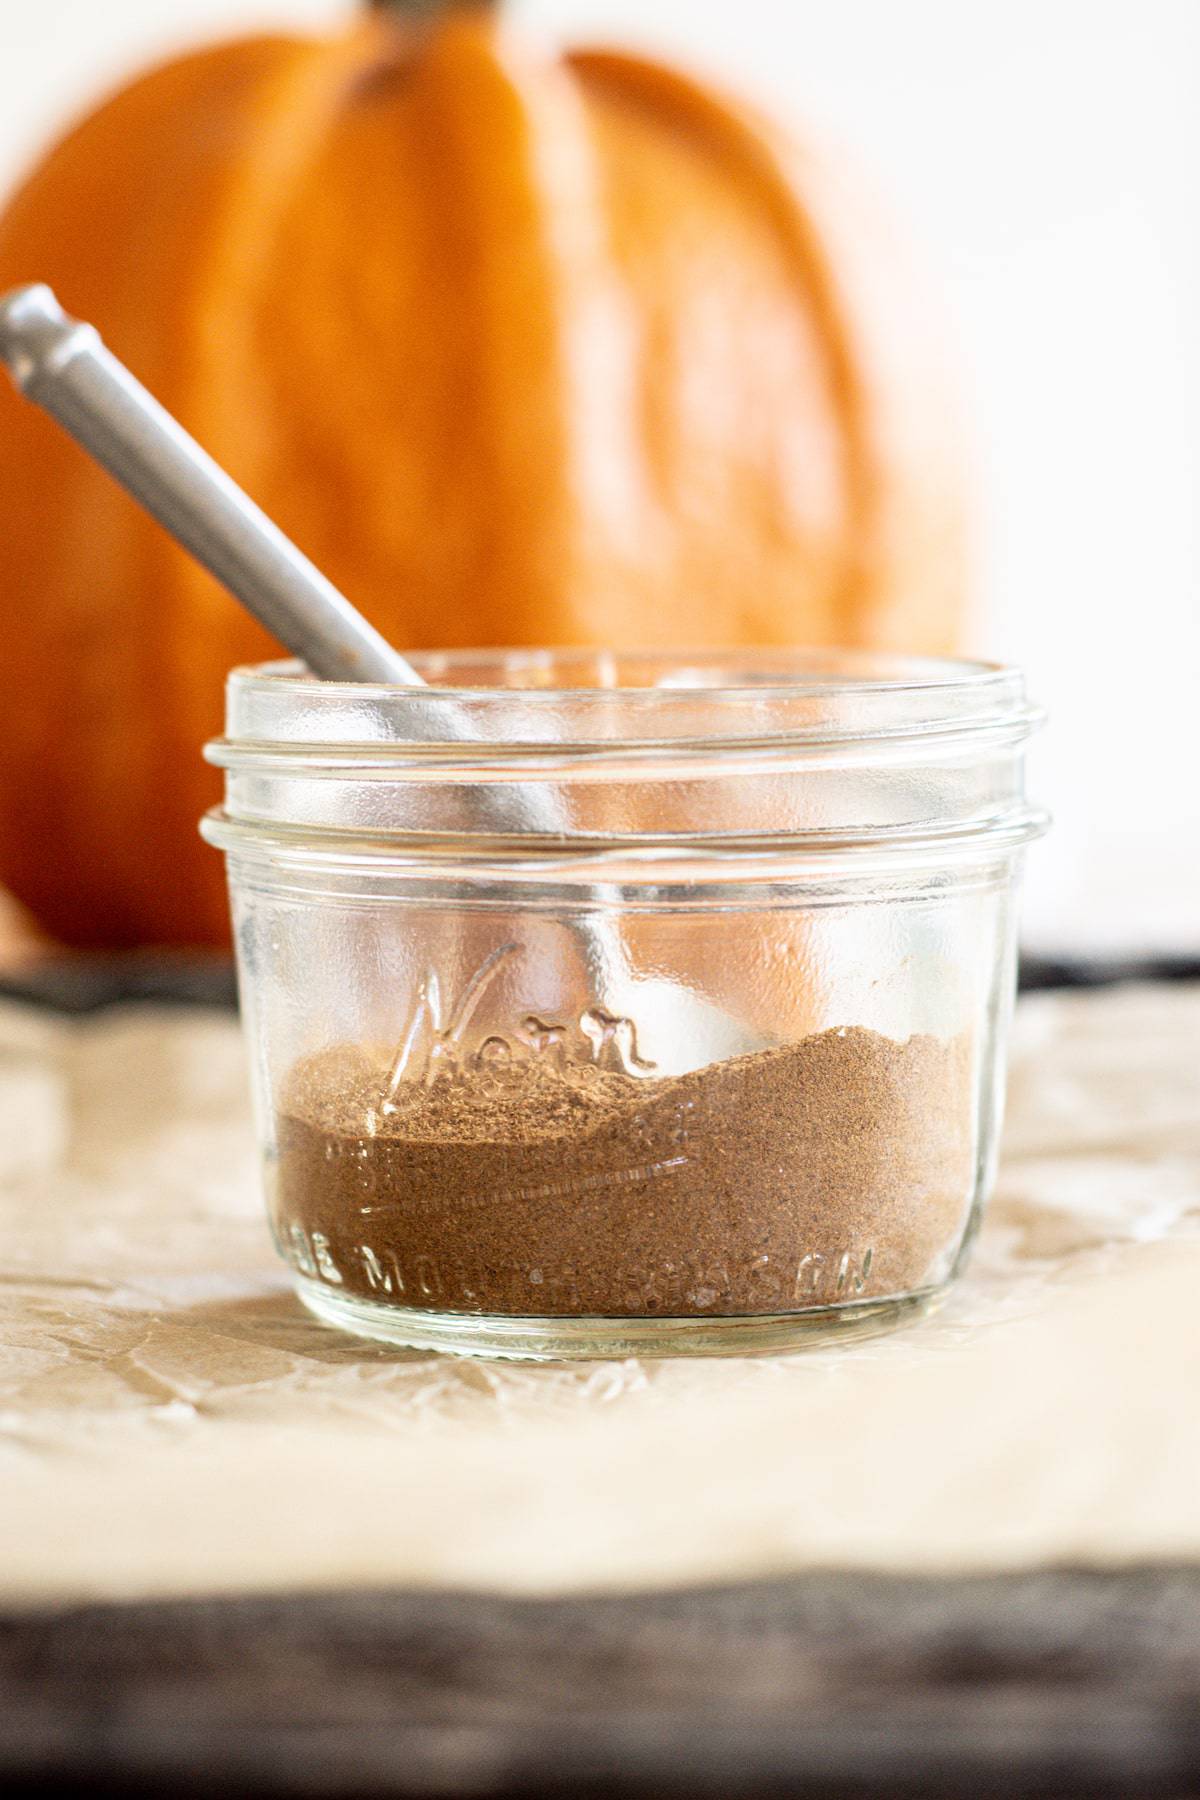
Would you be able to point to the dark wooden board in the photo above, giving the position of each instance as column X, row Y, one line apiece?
column 83, row 984
column 86, row 983
column 1063, row 1684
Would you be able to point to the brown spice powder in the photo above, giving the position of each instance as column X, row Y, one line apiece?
column 840, row 1168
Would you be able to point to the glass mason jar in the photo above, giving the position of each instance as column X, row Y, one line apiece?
column 613, row 1004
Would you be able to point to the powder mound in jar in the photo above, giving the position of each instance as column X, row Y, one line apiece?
column 836, row 1169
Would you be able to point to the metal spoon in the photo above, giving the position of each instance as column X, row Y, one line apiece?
column 61, row 364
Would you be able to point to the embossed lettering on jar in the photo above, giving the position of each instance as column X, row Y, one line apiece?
column 713, row 1064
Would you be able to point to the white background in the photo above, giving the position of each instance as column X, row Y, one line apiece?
column 1047, row 153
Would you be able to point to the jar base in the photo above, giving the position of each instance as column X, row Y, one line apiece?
column 523, row 1339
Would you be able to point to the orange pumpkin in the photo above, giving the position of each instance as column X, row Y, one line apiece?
column 520, row 348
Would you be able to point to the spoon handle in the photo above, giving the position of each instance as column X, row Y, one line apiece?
column 61, row 364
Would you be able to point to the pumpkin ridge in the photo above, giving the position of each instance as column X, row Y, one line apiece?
column 220, row 374
column 529, row 190
column 725, row 129
column 77, row 820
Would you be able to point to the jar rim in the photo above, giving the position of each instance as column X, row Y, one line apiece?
column 826, row 765
column 512, row 705
column 818, row 671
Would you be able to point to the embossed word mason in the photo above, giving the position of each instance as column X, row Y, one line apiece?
column 435, row 1040
column 818, row 1276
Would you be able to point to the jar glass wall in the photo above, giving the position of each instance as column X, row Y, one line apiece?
column 607, row 1005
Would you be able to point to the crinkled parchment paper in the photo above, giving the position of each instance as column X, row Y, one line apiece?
column 171, row 1421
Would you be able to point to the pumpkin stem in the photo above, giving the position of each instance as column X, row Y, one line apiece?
column 427, row 10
